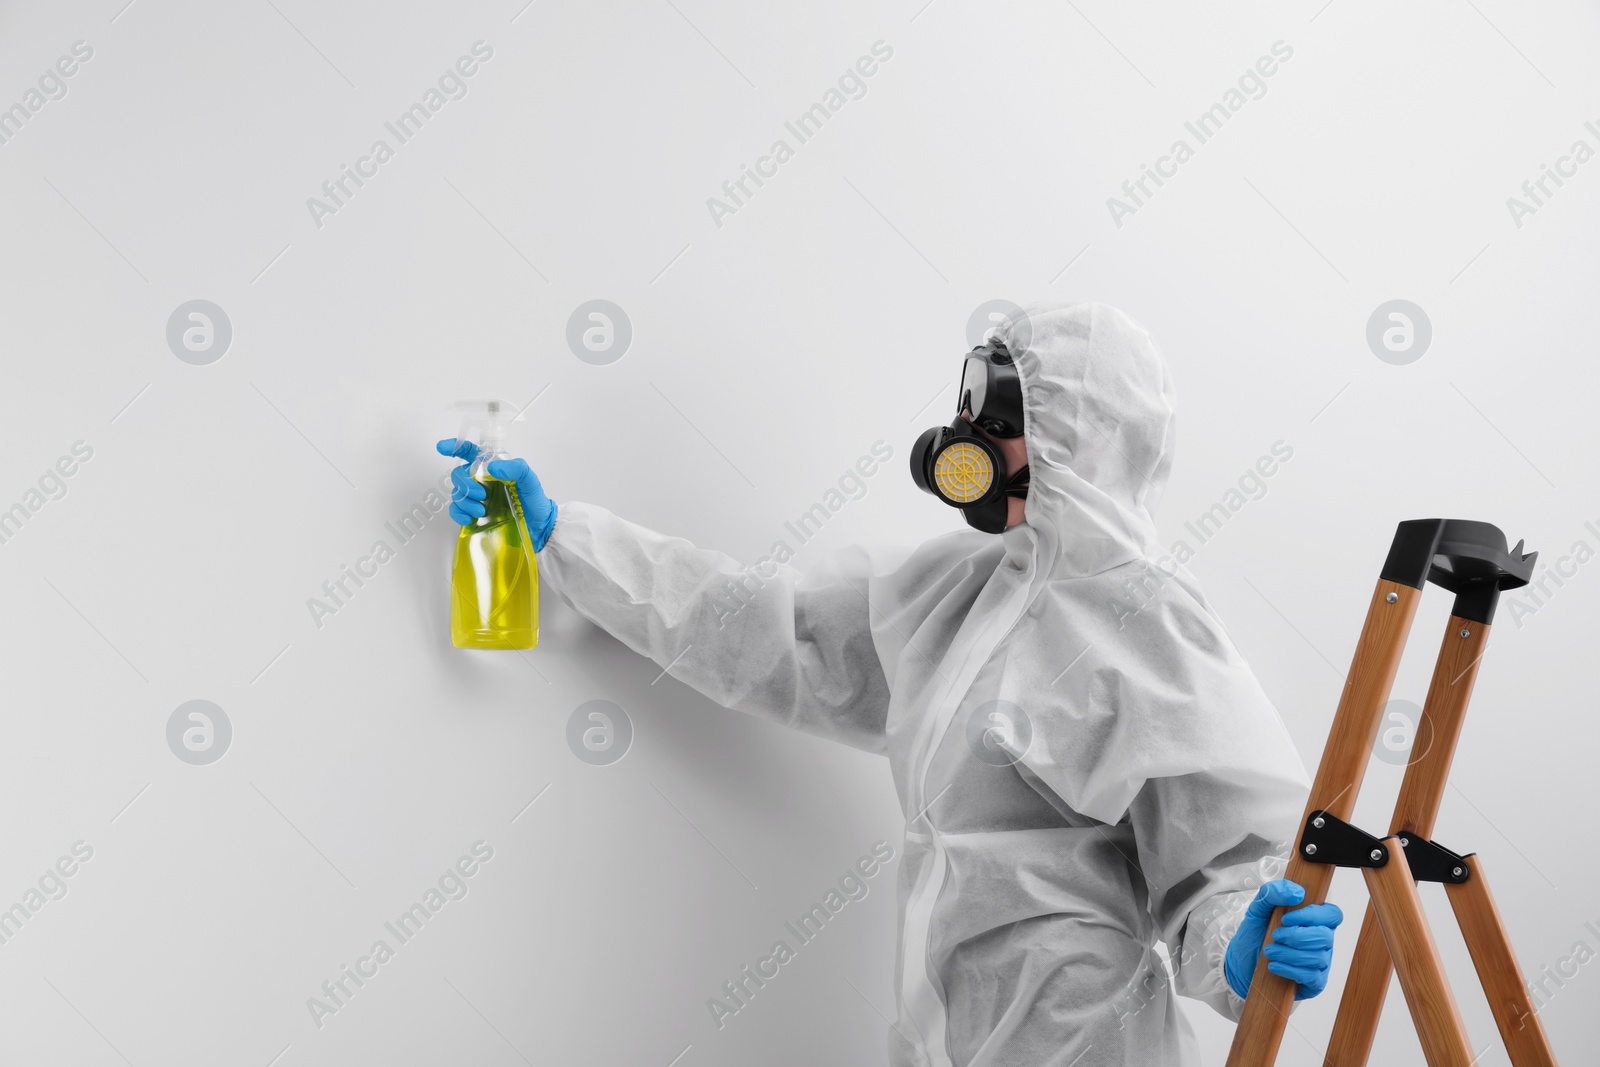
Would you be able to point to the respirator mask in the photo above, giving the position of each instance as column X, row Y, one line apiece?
column 959, row 465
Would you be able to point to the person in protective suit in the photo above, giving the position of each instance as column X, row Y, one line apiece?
column 1083, row 782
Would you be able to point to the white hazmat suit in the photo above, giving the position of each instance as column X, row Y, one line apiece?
column 1087, row 767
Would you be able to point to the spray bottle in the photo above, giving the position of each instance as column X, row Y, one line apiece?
column 494, row 596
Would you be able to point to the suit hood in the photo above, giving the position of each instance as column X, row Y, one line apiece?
column 1099, row 411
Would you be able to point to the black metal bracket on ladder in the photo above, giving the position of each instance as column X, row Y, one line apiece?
column 1329, row 839
column 1430, row 862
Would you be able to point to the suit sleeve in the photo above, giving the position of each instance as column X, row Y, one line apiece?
column 760, row 639
column 1202, row 877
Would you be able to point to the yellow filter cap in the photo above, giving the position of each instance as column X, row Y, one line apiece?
column 963, row 472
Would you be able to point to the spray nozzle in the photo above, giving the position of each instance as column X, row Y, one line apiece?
column 483, row 422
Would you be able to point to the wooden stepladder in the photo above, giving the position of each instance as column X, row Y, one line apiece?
column 1469, row 559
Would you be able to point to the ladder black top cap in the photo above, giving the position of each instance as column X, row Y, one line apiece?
column 1456, row 554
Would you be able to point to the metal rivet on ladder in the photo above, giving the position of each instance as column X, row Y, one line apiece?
column 1319, row 822
column 1392, row 597
column 1457, row 872
column 1311, row 850
column 1376, row 854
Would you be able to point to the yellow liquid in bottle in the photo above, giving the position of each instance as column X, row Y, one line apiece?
column 494, row 599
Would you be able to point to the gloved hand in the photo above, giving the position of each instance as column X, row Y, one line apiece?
column 538, row 510
column 1301, row 948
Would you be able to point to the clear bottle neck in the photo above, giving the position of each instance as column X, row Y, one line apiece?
column 489, row 449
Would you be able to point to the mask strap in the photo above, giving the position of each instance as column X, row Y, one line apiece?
column 1017, row 484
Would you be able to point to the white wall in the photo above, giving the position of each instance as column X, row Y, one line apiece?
column 768, row 353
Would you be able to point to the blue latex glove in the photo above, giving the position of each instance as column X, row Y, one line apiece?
column 1301, row 948
column 538, row 510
